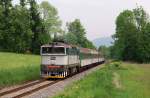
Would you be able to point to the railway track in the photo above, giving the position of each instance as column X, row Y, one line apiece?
column 30, row 88
column 36, row 89
column 26, row 89
column 20, row 88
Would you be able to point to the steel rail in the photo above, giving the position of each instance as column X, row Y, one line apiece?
column 36, row 89
column 20, row 88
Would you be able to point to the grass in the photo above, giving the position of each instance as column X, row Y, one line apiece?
column 18, row 68
column 134, row 80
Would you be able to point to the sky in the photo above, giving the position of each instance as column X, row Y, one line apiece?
column 97, row 16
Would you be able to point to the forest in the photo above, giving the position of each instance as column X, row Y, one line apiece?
column 26, row 26
column 132, row 37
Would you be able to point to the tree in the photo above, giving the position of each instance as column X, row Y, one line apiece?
column 132, row 36
column 104, row 51
column 23, row 3
column 76, row 35
column 89, row 44
column 21, row 27
column 71, row 38
column 143, row 38
column 1, row 26
column 78, row 30
column 50, row 18
column 37, row 27
column 6, row 24
column 125, row 28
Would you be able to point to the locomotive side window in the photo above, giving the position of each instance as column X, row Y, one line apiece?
column 53, row 50
column 71, row 51
column 59, row 50
column 46, row 50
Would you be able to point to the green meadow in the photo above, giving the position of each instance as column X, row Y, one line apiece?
column 115, row 80
column 18, row 68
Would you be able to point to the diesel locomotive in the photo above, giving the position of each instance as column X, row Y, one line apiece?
column 59, row 60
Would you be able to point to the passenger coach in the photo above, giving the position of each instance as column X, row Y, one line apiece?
column 59, row 60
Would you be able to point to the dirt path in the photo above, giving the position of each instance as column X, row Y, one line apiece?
column 116, row 80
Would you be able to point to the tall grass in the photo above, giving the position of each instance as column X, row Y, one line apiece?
column 134, row 78
column 96, row 85
column 18, row 68
column 135, row 81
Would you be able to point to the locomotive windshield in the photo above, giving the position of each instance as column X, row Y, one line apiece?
column 53, row 50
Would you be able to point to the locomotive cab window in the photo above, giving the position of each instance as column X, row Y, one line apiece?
column 53, row 50
column 71, row 51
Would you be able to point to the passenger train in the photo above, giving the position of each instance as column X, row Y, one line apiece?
column 59, row 60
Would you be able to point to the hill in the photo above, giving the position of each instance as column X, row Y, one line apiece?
column 107, row 41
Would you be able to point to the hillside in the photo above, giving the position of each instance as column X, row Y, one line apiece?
column 18, row 68
column 107, row 41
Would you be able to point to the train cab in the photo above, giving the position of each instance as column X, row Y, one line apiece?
column 57, row 59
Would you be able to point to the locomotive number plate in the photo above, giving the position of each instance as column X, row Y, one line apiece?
column 53, row 58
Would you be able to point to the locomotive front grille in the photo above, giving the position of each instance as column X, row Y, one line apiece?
column 54, row 75
column 51, row 70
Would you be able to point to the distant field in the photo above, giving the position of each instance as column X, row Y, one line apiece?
column 116, row 80
column 18, row 68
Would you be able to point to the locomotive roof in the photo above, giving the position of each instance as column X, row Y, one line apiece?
column 83, row 50
column 57, row 44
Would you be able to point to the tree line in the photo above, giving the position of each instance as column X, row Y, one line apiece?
column 132, row 37
column 77, row 35
column 26, row 26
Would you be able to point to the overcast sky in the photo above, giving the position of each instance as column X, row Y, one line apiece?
column 97, row 16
